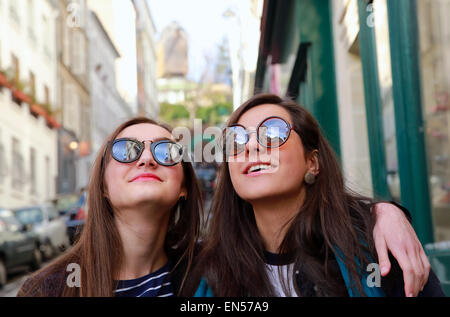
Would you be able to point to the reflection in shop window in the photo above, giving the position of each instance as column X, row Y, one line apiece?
column 434, row 34
column 380, row 21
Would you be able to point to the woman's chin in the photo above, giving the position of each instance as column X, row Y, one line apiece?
column 150, row 197
column 257, row 195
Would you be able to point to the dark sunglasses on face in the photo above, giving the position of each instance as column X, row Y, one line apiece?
column 165, row 152
column 272, row 132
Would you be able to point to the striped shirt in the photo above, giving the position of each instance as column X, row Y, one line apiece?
column 155, row 284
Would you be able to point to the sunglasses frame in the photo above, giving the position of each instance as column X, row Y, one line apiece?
column 153, row 145
column 247, row 133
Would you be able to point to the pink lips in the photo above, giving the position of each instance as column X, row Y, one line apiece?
column 253, row 174
column 245, row 171
column 144, row 177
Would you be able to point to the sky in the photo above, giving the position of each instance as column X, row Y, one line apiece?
column 202, row 20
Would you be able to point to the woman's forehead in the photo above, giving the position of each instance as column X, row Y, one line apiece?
column 144, row 131
column 252, row 117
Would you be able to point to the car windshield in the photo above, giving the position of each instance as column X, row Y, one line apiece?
column 65, row 203
column 29, row 215
column 7, row 220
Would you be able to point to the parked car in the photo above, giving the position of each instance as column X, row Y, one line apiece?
column 65, row 202
column 18, row 246
column 48, row 225
column 206, row 175
column 76, row 217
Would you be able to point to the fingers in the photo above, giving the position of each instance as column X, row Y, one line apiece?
column 426, row 266
column 416, row 270
column 411, row 284
column 411, row 280
column 383, row 257
column 395, row 234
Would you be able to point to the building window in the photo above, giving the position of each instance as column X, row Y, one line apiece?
column 3, row 166
column 67, row 52
column 30, row 18
column 18, row 173
column 85, row 127
column 13, row 11
column 46, row 36
column 16, row 67
column 71, row 109
column 32, row 171
column 47, row 95
column 47, row 178
column 32, row 85
column 79, row 53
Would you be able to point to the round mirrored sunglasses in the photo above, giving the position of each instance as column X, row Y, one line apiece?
column 272, row 132
column 165, row 152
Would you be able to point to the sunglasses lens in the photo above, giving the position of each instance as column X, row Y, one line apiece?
column 235, row 140
column 126, row 150
column 168, row 153
column 273, row 132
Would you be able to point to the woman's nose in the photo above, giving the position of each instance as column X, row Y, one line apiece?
column 252, row 145
column 146, row 158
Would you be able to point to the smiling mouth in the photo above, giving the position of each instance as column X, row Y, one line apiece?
column 259, row 169
column 145, row 178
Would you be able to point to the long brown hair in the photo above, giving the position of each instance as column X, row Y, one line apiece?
column 232, row 258
column 99, row 251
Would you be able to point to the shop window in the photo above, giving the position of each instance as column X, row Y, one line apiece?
column 379, row 20
column 434, row 35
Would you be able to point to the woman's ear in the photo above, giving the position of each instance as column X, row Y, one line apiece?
column 313, row 162
column 183, row 193
column 105, row 192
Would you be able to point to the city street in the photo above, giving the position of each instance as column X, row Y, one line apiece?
column 122, row 116
column 15, row 281
column 18, row 276
column 13, row 286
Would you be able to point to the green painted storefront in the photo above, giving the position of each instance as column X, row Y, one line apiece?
column 303, row 29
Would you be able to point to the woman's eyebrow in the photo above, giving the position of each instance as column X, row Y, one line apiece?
column 162, row 139
column 152, row 140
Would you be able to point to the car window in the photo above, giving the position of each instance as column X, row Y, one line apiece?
column 9, row 222
column 6, row 213
column 52, row 213
column 65, row 203
column 3, row 225
column 29, row 215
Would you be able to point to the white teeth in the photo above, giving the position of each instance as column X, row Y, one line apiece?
column 258, row 167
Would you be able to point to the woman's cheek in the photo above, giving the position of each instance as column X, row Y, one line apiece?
column 234, row 175
column 115, row 184
column 295, row 173
column 174, row 179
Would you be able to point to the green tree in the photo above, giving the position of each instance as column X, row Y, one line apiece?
column 171, row 113
column 215, row 114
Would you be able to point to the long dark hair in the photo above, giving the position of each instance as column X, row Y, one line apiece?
column 232, row 257
column 99, row 250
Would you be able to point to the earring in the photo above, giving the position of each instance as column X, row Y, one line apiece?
column 310, row 178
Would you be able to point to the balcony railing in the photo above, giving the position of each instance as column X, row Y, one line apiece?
column 19, row 96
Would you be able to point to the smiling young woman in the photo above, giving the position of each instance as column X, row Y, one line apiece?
column 143, row 220
column 284, row 224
